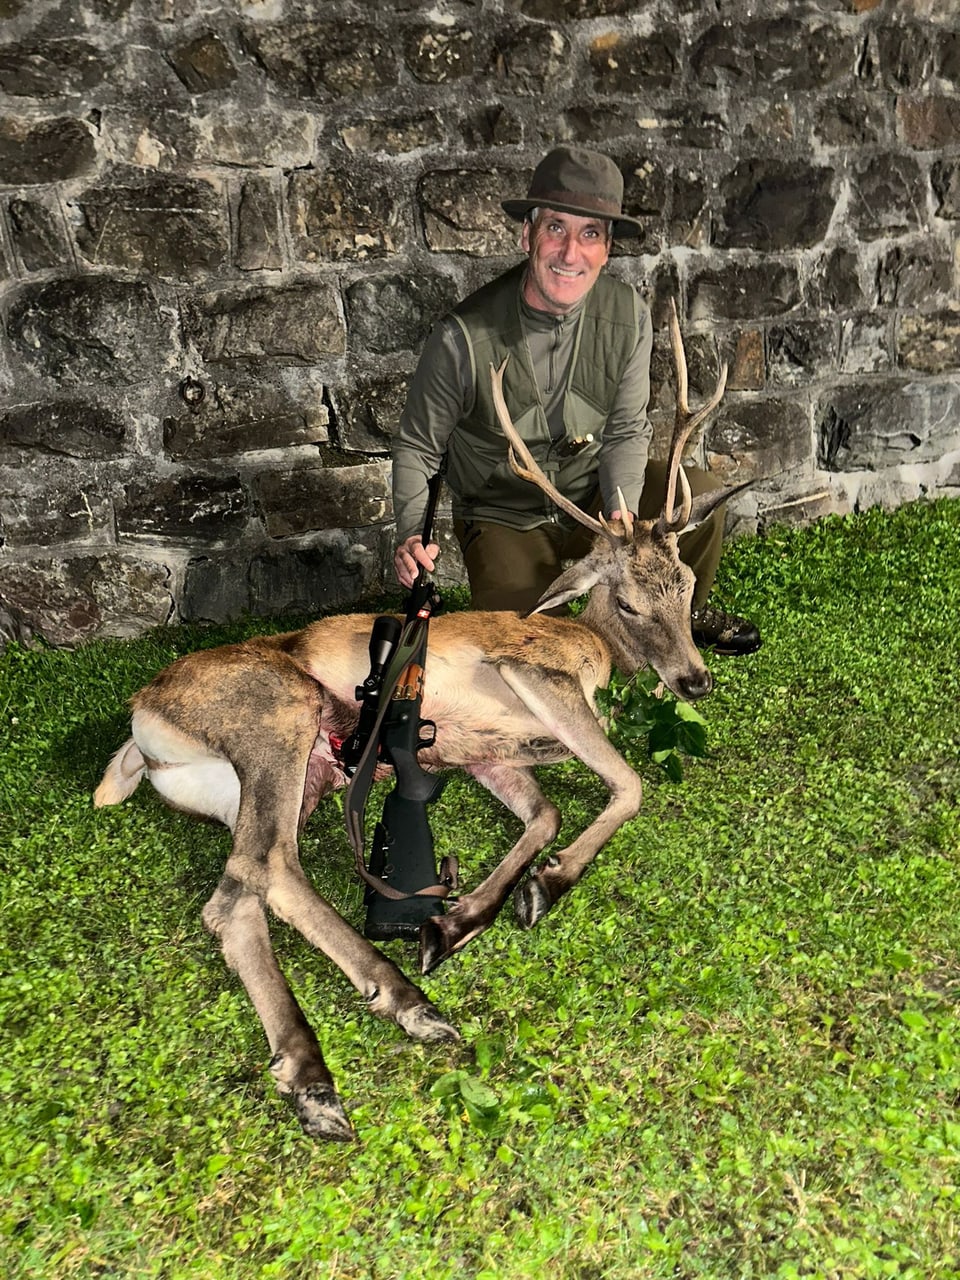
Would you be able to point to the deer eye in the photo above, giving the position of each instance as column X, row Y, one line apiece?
column 626, row 607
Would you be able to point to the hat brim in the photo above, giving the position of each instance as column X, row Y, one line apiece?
column 623, row 226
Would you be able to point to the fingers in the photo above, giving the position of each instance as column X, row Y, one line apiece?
column 410, row 555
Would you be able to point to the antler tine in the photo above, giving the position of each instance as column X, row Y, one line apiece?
column 525, row 465
column 685, row 423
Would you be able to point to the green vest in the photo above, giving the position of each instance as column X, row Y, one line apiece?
column 478, row 472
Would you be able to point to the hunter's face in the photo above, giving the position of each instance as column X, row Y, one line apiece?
column 565, row 254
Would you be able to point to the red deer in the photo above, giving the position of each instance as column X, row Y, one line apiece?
column 243, row 734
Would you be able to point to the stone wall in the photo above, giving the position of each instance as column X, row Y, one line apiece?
column 225, row 231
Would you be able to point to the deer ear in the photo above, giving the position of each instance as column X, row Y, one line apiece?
column 573, row 582
column 704, row 504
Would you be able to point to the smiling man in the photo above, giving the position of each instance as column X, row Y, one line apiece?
column 577, row 385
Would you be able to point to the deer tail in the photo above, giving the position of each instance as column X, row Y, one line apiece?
column 122, row 776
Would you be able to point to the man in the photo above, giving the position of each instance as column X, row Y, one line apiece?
column 577, row 385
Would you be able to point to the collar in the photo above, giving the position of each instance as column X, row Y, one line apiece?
column 545, row 321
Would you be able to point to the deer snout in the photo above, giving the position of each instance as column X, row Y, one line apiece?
column 695, row 685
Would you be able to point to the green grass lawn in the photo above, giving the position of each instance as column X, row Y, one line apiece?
column 731, row 1051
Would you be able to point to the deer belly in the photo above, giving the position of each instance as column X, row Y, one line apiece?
column 185, row 774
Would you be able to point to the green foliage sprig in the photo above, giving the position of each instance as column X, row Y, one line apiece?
column 639, row 714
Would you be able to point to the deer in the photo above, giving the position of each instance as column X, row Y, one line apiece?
column 244, row 734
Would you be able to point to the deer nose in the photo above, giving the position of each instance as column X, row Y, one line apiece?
column 696, row 685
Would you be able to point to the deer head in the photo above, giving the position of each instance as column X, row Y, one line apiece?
column 640, row 590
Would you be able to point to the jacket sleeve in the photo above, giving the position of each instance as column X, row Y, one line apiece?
column 626, row 435
column 439, row 396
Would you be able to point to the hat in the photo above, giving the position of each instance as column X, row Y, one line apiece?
column 575, row 180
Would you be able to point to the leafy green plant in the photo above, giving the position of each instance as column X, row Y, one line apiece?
column 641, row 712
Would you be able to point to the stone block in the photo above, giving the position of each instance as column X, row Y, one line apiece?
column 850, row 122
column 690, row 220
column 461, row 211
column 770, row 125
column 929, row 124
column 757, row 440
column 575, row 10
column 39, row 233
column 368, row 414
column 342, row 215
column 259, row 236
column 645, row 196
column 929, row 343
column 41, row 151
column 911, row 275
column 175, row 228
column 191, row 508
column 50, row 68
column 626, row 64
column 248, row 137
column 772, row 205
column 92, row 330
column 834, row 281
column 530, row 60
column 802, row 509
column 59, row 428
column 323, row 60
column 244, row 414
column 947, row 57
column 945, row 180
column 67, row 601
column 865, row 344
column 299, row 324
column 491, row 125
column 904, row 56
column 779, row 52
column 338, row 571
column 389, row 313
column 29, row 518
column 393, row 135
column 742, row 290
column 171, row 139
column 438, row 55
column 883, row 197
column 740, row 349
column 203, row 63
column 801, row 351
column 882, row 423
column 302, row 501
column 679, row 124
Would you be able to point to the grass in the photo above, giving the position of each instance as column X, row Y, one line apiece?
column 731, row 1051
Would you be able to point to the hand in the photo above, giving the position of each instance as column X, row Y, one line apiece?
column 627, row 517
column 410, row 555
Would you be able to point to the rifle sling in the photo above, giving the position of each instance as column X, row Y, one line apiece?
column 412, row 639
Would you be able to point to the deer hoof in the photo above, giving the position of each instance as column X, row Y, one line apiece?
column 434, row 944
column 441, row 936
column 321, row 1114
column 424, row 1022
column 531, row 901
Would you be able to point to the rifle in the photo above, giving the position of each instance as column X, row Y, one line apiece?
column 403, row 888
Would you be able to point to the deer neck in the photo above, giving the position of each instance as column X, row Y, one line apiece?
column 600, row 616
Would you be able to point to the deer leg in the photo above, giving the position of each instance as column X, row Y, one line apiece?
column 236, row 917
column 517, row 789
column 560, row 706
column 265, row 724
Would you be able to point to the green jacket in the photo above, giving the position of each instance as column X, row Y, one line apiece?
column 601, row 389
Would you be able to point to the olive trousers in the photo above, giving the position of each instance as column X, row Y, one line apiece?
column 512, row 568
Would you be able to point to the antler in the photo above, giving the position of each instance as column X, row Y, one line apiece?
column 526, row 467
column 672, row 520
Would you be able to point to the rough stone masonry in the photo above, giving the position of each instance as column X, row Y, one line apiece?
column 225, row 231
